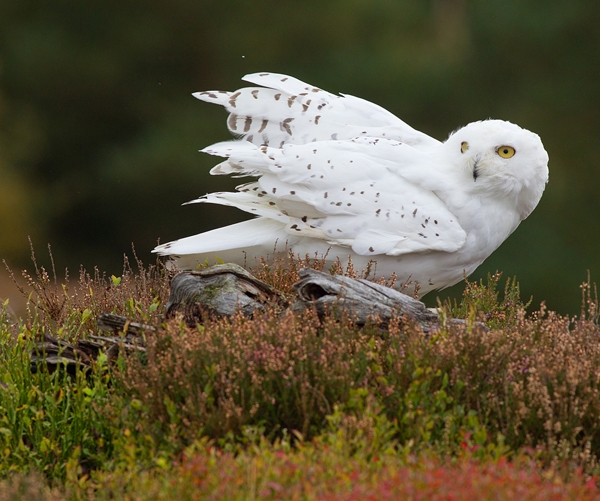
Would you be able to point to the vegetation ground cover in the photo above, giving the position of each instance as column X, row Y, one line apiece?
column 282, row 406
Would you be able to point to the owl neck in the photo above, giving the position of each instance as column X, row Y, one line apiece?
column 487, row 219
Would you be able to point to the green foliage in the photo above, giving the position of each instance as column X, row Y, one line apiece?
column 47, row 420
column 430, row 417
column 483, row 303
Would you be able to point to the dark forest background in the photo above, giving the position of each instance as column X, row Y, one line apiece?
column 99, row 132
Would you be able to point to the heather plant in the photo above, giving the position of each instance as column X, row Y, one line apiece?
column 69, row 309
column 281, row 271
column 280, row 371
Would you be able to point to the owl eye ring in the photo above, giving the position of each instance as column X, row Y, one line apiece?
column 506, row 151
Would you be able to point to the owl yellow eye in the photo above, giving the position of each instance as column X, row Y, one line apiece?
column 464, row 146
column 506, row 151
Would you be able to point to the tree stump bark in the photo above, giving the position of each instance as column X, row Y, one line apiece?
column 222, row 290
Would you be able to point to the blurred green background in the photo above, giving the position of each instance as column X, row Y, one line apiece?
column 99, row 133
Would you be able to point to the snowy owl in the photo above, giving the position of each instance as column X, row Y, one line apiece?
column 338, row 176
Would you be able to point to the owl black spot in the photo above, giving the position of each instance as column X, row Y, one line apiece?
column 371, row 249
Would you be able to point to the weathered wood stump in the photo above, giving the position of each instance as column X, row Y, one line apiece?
column 223, row 290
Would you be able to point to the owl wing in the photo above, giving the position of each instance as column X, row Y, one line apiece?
column 347, row 192
column 288, row 111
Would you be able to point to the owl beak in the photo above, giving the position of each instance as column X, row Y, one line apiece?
column 477, row 159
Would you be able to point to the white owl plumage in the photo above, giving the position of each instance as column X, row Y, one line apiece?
column 341, row 177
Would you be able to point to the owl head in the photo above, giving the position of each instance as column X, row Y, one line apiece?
column 501, row 159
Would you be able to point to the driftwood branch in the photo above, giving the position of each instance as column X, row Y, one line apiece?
column 117, row 323
column 53, row 352
column 357, row 299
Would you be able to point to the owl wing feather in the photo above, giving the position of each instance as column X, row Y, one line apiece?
column 346, row 192
column 288, row 111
